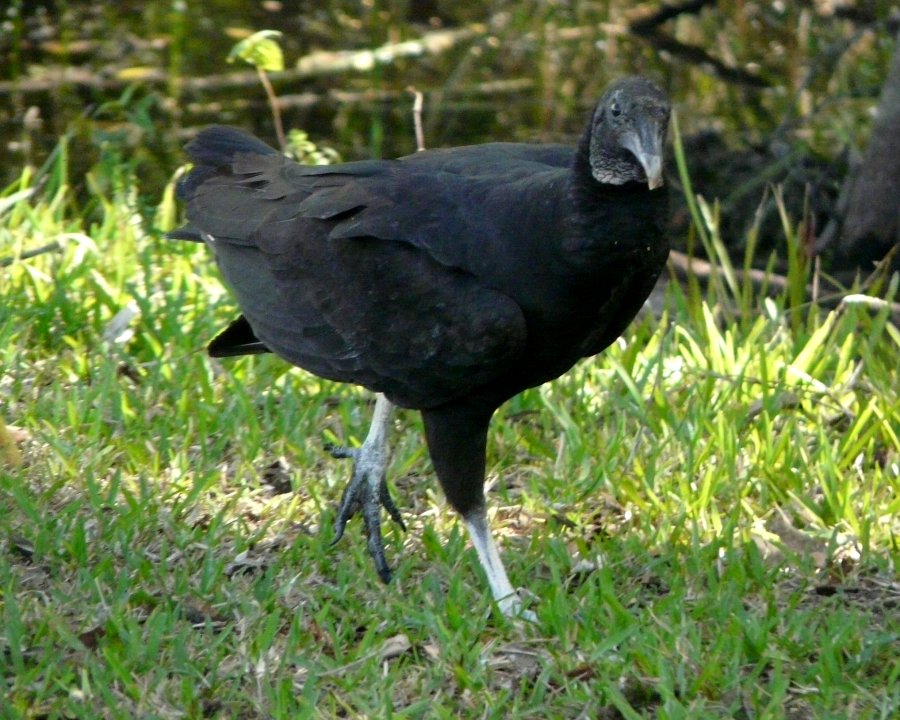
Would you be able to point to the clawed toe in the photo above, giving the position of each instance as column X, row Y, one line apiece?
column 367, row 492
column 387, row 502
column 340, row 452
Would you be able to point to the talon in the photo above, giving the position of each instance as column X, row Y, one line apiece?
column 384, row 495
column 367, row 492
column 338, row 532
column 348, row 507
column 372, row 519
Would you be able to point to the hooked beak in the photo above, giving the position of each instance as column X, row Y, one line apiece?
column 653, row 167
column 645, row 144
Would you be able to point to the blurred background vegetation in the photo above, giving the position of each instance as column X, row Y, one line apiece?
column 767, row 91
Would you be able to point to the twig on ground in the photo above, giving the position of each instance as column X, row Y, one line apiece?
column 50, row 247
column 685, row 267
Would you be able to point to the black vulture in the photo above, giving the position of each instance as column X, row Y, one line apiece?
column 447, row 281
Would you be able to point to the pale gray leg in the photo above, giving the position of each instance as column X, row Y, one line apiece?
column 367, row 491
column 504, row 595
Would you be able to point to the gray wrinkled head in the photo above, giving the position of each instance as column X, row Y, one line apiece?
column 628, row 133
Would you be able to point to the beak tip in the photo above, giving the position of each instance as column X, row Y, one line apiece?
column 653, row 167
column 648, row 152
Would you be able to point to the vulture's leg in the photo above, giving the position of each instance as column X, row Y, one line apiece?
column 367, row 492
column 504, row 595
column 457, row 438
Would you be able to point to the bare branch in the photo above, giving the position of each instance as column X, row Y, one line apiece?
column 50, row 247
column 417, row 118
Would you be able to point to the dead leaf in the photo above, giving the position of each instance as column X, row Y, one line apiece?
column 245, row 562
column 118, row 330
column 128, row 371
column 277, row 475
column 22, row 547
column 519, row 658
column 583, row 673
column 793, row 539
column 320, row 637
column 198, row 613
column 395, row 647
column 91, row 638
column 9, row 451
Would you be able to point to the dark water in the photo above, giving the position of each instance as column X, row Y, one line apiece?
column 142, row 76
column 362, row 113
column 109, row 49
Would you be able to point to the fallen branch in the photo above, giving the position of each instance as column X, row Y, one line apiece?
column 685, row 268
column 698, row 56
column 648, row 29
column 668, row 12
column 315, row 64
column 433, row 43
column 352, row 97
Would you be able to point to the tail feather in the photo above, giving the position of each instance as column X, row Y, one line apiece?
column 237, row 339
column 185, row 232
column 218, row 145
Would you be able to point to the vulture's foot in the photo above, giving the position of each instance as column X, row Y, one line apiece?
column 367, row 492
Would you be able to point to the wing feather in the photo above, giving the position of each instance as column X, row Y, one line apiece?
column 344, row 272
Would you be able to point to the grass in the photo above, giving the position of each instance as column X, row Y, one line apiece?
column 707, row 514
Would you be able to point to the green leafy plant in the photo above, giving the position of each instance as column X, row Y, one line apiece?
column 306, row 152
column 262, row 51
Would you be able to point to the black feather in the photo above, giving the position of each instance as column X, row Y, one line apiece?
column 236, row 339
column 449, row 280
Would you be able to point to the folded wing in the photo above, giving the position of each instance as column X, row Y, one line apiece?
column 341, row 271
